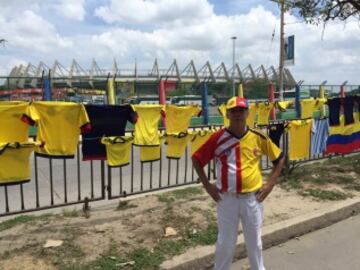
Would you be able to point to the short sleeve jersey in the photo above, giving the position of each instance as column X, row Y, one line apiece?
column 178, row 117
column 300, row 131
column 59, row 126
column 15, row 162
column 199, row 138
column 308, row 107
column 238, row 159
column 176, row 145
column 146, row 127
column 106, row 120
column 12, row 129
column 264, row 113
column 117, row 150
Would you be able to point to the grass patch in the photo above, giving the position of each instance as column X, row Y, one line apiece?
column 23, row 219
column 325, row 195
column 180, row 194
column 70, row 213
column 123, row 205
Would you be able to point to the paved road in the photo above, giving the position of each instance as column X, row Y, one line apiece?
column 332, row 248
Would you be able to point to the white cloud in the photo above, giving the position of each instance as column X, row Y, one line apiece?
column 71, row 9
column 154, row 11
column 167, row 32
column 31, row 32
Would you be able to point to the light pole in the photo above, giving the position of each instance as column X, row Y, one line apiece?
column 233, row 66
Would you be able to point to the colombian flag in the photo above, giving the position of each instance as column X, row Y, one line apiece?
column 344, row 139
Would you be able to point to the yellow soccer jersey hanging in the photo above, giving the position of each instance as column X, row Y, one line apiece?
column 299, row 142
column 15, row 162
column 59, row 125
column 199, row 138
column 283, row 105
column 146, row 127
column 176, row 145
column 178, row 117
column 117, row 150
column 308, row 107
column 253, row 111
column 222, row 111
column 152, row 153
column 264, row 113
column 12, row 129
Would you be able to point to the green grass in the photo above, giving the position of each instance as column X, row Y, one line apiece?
column 180, row 194
column 325, row 195
column 70, row 213
column 23, row 219
column 122, row 205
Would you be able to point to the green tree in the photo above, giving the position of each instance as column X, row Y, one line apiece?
column 317, row 11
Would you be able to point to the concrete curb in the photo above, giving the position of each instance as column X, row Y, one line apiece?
column 203, row 257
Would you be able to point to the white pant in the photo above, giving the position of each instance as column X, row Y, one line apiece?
column 230, row 209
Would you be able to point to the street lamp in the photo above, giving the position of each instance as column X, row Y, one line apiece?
column 233, row 66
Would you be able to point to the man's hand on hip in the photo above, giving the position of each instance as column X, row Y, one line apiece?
column 213, row 191
column 264, row 192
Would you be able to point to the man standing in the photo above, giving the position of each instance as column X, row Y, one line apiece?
column 239, row 190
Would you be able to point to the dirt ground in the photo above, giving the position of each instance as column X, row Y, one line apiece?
column 133, row 234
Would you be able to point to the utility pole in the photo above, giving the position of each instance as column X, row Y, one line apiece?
column 233, row 66
column 282, row 43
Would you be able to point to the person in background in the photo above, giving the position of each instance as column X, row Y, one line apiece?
column 239, row 190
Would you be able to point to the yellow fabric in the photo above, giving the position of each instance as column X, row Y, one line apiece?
column 222, row 111
column 15, row 162
column 283, row 105
column 176, row 145
column 117, row 150
column 308, row 107
column 343, row 129
column 253, row 111
column 199, row 138
column 299, row 142
column 178, row 117
column 320, row 102
column 241, row 90
column 264, row 112
column 252, row 146
column 59, row 126
column 111, row 91
column 12, row 129
column 146, row 127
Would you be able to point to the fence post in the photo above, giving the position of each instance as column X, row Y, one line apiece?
column 297, row 101
column 241, row 90
column 205, row 103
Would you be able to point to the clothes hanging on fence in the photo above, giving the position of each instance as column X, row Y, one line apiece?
column 264, row 113
column 222, row 111
column 59, row 126
column 199, row 138
column 349, row 110
column 176, row 145
column 357, row 102
column 146, row 127
column 178, row 117
column 12, row 129
column 334, row 105
column 253, row 111
column 275, row 132
column 299, row 141
column 344, row 139
column 106, row 120
column 308, row 107
column 117, row 150
column 319, row 135
column 15, row 162
column 283, row 105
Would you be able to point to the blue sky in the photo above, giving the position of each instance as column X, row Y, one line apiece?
column 185, row 30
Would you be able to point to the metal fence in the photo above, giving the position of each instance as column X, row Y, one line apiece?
column 62, row 182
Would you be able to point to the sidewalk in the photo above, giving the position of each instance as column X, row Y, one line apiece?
column 274, row 234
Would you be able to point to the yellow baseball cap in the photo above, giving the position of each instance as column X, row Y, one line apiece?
column 237, row 102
